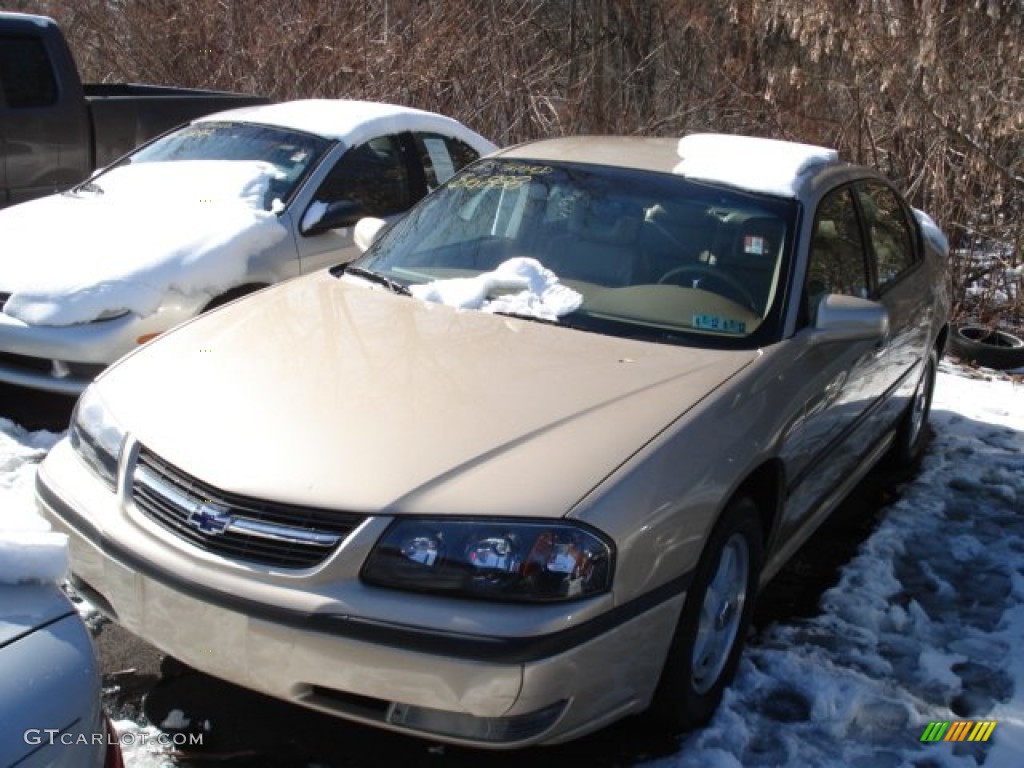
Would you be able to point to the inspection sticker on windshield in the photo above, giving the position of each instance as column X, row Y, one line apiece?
column 720, row 324
column 754, row 245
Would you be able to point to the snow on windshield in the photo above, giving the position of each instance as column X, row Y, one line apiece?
column 760, row 165
column 537, row 291
column 187, row 226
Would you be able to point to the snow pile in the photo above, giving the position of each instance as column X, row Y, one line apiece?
column 188, row 226
column 538, row 293
column 926, row 622
column 27, row 556
column 760, row 165
column 28, row 551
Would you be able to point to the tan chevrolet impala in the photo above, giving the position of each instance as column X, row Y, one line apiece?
column 519, row 470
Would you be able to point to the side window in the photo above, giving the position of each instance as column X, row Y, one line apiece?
column 373, row 175
column 836, row 262
column 442, row 157
column 892, row 238
column 25, row 73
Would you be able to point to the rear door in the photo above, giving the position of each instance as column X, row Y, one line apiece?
column 901, row 284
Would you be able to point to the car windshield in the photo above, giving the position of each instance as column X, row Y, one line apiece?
column 282, row 157
column 646, row 255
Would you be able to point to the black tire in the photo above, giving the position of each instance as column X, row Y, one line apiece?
column 912, row 433
column 689, row 693
column 985, row 346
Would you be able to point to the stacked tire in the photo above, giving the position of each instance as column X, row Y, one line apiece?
column 988, row 347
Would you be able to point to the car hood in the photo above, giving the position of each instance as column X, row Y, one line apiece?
column 332, row 394
column 26, row 607
column 70, row 258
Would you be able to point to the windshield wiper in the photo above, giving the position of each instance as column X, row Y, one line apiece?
column 90, row 186
column 532, row 317
column 376, row 277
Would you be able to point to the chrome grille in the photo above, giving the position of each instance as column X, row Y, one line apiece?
column 234, row 526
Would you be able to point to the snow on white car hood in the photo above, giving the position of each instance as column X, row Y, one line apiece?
column 340, row 396
column 188, row 226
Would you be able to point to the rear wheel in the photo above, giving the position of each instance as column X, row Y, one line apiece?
column 713, row 625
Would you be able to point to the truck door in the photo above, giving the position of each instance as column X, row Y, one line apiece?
column 45, row 140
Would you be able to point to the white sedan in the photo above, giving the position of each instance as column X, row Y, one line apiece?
column 216, row 209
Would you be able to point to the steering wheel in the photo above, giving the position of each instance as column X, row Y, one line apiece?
column 734, row 290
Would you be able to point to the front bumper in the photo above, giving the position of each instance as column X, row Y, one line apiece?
column 65, row 359
column 292, row 637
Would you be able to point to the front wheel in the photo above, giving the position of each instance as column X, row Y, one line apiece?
column 713, row 625
column 912, row 433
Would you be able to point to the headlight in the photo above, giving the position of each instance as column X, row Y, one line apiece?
column 96, row 437
column 497, row 560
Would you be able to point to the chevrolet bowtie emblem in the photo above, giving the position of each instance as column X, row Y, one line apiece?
column 209, row 518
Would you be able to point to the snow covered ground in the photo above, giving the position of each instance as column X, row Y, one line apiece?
column 926, row 623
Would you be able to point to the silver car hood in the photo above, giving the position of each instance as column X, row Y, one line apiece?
column 343, row 396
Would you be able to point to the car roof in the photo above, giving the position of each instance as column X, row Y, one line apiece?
column 768, row 166
column 350, row 121
column 12, row 19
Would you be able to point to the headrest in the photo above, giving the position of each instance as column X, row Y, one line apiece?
column 607, row 221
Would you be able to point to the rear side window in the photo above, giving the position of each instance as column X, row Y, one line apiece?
column 25, row 73
column 442, row 157
column 886, row 223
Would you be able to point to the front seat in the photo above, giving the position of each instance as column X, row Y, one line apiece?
column 601, row 244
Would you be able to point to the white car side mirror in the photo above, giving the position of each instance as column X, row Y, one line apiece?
column 367, row 230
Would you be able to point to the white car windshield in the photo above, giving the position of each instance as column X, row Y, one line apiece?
column 290, row 155
column 650, row 255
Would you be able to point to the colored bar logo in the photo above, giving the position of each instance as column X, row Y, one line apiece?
column 958, row 730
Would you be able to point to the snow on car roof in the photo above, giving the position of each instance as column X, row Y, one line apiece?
column 760, row 165
column 768, row 166
column 352, row 122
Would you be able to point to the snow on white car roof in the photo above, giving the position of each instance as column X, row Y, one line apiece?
column 767, row 166
column 352, row 122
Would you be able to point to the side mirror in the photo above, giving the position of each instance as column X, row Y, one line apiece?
column 367, row 231
column 849, row 318
column 340, row 213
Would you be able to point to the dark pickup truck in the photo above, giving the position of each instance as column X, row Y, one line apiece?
column 54, row 130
